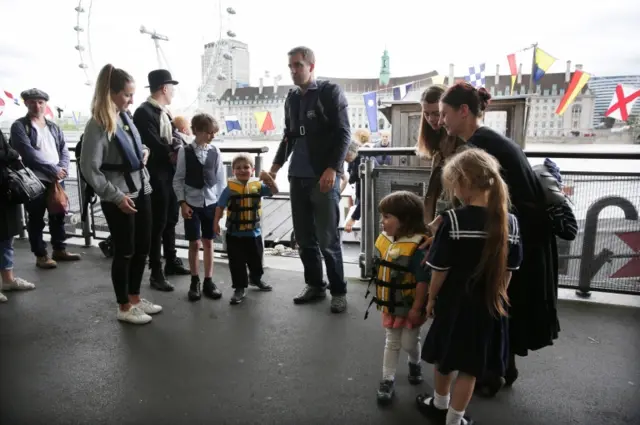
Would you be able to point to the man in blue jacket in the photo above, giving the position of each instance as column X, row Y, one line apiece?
column 316, row 137
column 41, row 145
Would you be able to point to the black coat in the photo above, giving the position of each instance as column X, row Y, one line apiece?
column 533, row 291
column 10, row 222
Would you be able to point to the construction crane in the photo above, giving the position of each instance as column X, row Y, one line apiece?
column 157, row 38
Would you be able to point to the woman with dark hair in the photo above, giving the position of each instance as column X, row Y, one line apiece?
column 434, row 143
column 533, row 292
column 113, row 164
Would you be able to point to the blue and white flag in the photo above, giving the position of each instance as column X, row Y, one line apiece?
column 232, row 123
column 400, row 92
column 371, row 105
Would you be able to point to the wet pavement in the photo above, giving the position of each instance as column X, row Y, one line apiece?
column 64, row 359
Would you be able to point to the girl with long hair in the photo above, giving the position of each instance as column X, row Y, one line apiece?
column 112, row 162
column 475, row 249
column 533, row 315
column 435, row 144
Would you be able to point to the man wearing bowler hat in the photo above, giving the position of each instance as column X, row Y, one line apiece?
column 154, row 122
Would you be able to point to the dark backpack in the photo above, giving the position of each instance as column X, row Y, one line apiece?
column 90, row 197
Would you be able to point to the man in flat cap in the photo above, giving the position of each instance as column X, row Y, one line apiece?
column 41, row 145
column 154, row 122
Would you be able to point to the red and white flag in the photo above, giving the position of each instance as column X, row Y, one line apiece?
column 1, row 106
column 623, row 99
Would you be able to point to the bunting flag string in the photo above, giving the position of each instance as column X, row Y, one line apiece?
column 576, row 85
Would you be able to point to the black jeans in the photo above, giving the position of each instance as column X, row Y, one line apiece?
column 243, row 252
column 165, row 210
column 35, row 211
column 131, row 237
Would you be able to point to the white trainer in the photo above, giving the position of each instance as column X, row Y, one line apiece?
column 3, row 299
column 18, row 284
column 135, row 315
column 148, row 307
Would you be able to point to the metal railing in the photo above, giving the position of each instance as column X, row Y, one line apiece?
column 604, row 257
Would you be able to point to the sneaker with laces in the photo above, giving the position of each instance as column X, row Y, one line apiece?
column 134, row 315
column 310, row 293
column 148, row 307
column 386, row 391
column 18, row 284
column 3, row 298
column 338, row 303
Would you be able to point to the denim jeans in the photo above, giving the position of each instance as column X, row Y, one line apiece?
column 35, row 226
column 316, row 217
column 6, row 254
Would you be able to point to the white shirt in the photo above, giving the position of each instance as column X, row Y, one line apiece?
column 46, row 144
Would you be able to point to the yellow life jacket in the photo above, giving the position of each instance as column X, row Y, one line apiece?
column 244, row 206
column 395, row 282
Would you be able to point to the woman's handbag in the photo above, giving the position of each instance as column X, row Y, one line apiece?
column 22, row 185
column 58, row 201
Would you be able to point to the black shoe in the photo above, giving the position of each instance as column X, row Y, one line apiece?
column 194, row 290
column 510, row 376
column 159, row 282
column 310, row 293
column 489, row 385
column 174, row 267
column 386, row 392
column 211, row 290
column 429, row 410
column 261, row 285
column 105, row 247
column 415, row 373
column 238, row 296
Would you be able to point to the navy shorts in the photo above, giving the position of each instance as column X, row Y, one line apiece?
column 200, row 225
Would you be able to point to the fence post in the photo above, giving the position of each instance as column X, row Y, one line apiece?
column 23, row 222
column 368, row 216
column 258, row 164
column 86, row 225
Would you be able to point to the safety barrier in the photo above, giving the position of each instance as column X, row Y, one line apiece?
column 604, row 257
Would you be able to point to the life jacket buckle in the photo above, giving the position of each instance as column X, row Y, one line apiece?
column 302, row 130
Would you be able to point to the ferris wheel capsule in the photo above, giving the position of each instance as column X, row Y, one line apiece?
column 231, row 11
column 221, row 76
column 79, row 9
column 78, row 28
column 88, row 83
column 211, row 96
column 231, row 33
column 227, row 56
column 80, row 48
column 83, row 66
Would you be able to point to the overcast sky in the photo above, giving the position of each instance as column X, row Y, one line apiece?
column 37, row 38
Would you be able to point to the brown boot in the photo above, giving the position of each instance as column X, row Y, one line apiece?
column 45, row 262
column 64, row 256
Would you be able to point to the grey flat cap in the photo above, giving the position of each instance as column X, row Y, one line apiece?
column 34, row 94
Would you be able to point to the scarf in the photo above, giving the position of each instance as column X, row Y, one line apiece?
column 166, row 130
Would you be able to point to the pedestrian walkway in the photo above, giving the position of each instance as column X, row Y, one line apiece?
column 66, row 360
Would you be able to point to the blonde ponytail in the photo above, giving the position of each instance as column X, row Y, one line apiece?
column 103, row 109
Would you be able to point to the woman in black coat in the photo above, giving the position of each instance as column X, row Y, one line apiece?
column 533, row 315
column 10, row 224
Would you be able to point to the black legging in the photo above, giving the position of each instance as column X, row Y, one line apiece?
column 131, row 238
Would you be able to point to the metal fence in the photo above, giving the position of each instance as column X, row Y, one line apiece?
column 605, row 256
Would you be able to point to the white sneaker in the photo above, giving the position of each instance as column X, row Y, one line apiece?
column 3, row 299
column 135, row 315
column 18, row 284
column 148, row 307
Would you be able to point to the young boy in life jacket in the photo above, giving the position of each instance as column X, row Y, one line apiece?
column 199, row 179
column 243, row 200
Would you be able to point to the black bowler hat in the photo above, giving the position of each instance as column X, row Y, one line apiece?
column 160, row 77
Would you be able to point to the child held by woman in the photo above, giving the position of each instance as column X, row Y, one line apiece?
column 475, row 249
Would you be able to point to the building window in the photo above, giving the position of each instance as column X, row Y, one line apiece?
column 576, row 112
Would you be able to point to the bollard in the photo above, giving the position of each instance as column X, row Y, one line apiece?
column 258, row 164
column 23, row 222
column 368, row 213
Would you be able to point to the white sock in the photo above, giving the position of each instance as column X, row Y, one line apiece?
column 439, row 401
column 455, row 418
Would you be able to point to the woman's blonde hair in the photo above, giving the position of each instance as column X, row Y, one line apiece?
column 477, row 170
column 110, row 80
column 362, row 136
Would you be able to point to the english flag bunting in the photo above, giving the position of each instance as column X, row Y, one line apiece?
column 622, row 102
column 1, row 106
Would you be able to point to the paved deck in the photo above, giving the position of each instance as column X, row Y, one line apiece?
column 66, row 360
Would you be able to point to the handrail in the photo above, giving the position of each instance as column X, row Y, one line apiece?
column 630, row 154
column 228, row 149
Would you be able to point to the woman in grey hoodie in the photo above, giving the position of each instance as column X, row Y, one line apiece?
column 113, row 164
